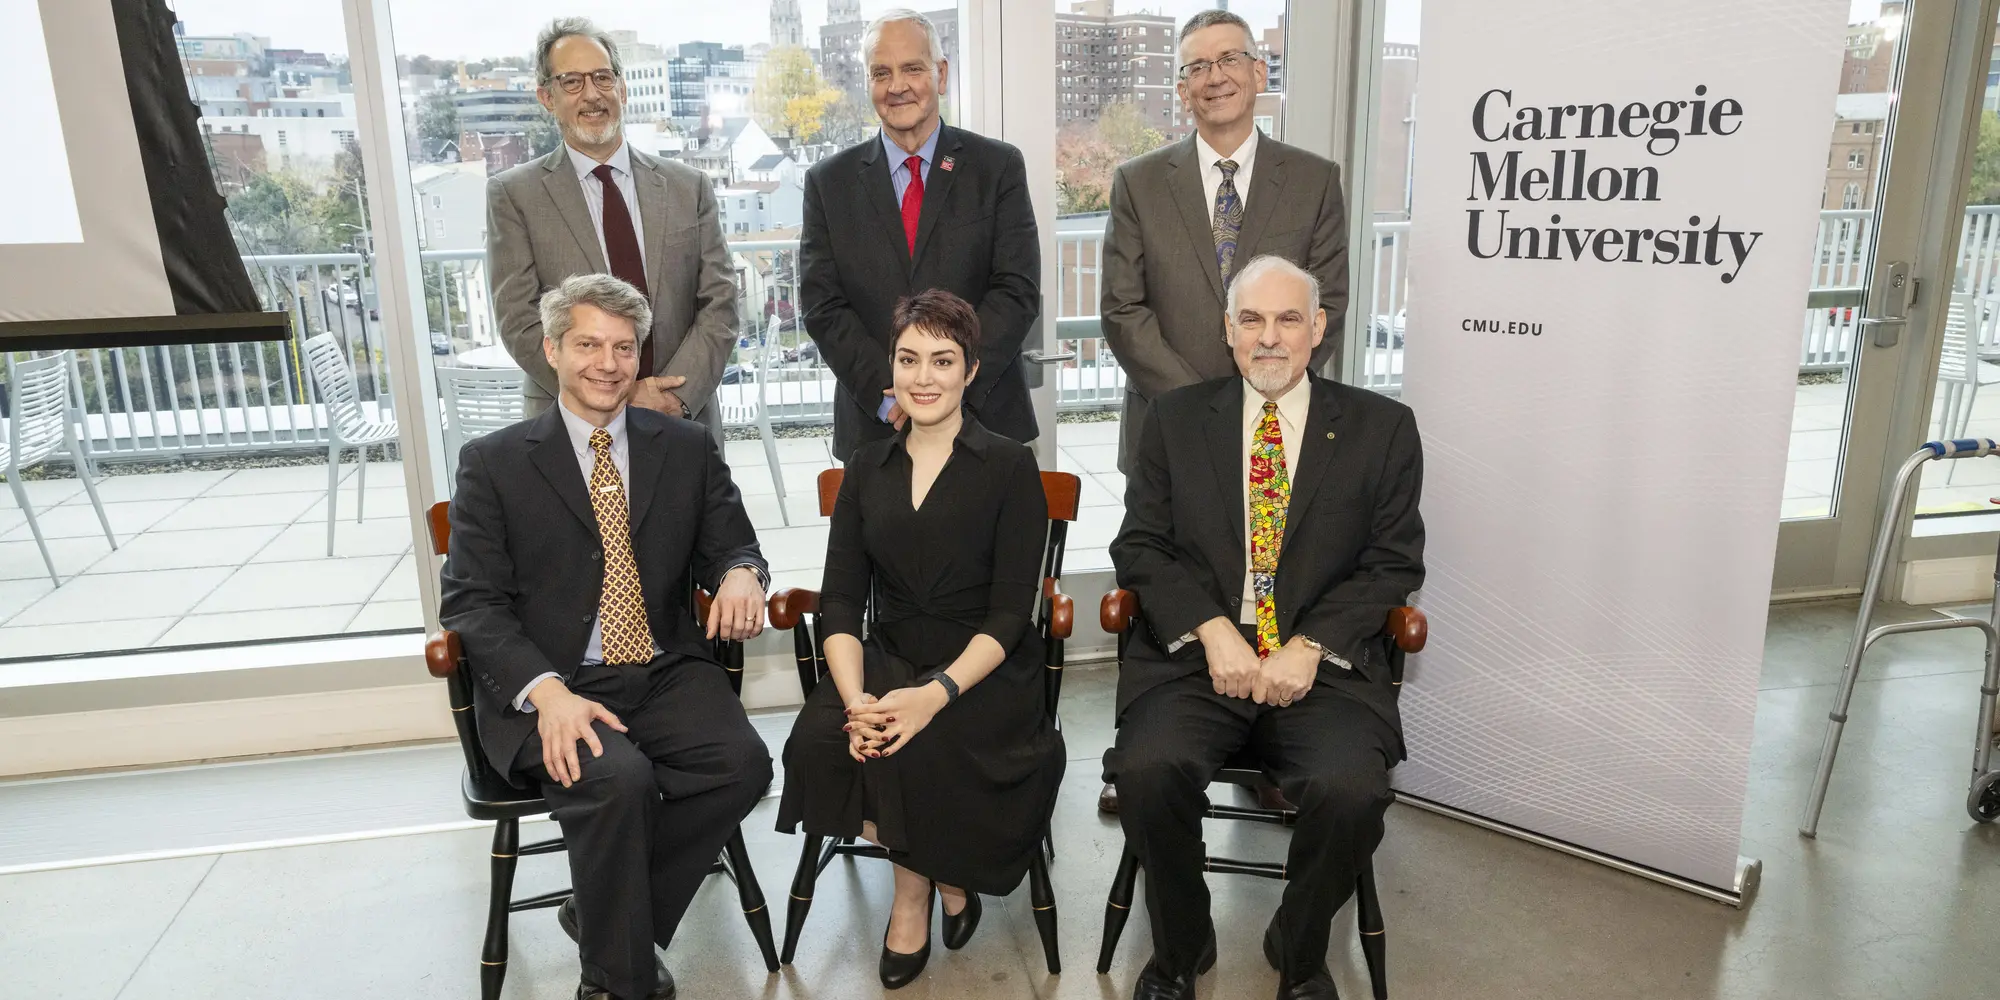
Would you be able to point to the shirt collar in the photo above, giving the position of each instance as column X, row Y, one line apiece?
column 972, row 437
column 1243, row 155
column 896, row 155
column 620, row 161
column 579, row 429
column 1292, row 406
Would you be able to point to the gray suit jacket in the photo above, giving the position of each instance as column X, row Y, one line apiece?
column 1163, row 295
column 538, row 232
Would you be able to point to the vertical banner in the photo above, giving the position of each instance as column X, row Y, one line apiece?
column 1614, row 212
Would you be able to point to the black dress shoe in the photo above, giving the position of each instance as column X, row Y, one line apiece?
column 566, row 919
column 899, row 970
column 587, row 990
column 1318, row 987
column 1107, row 800
column 1156, row 985
column 958, row 927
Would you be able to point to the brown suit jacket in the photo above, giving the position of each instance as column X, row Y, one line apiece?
column 1163, row 294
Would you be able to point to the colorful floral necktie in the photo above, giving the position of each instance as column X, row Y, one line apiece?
column 1270, row 494
column 621, row 606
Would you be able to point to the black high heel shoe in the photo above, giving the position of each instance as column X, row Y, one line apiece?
column 899, row 970
column 958, row 927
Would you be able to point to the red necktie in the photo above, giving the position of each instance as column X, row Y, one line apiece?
column 621, row 251
column 913, row 201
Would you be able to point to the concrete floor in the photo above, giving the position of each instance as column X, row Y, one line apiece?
column 1900, row 896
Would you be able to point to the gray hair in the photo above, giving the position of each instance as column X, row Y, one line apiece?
column 1211, row 18
column 1265, row 264
column 601, row 290
column 873, row 34
column 564, row 27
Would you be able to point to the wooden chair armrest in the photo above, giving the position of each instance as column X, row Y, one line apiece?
column 442, row 653
column 1062, row 609
column 703, row 600
column 1409, row 628
column 789, row 605
column 1116, row 611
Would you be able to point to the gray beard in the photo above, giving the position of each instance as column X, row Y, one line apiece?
column 1267, row 379
column 581, row 136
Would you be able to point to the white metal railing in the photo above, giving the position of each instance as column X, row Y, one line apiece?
column 152, row 401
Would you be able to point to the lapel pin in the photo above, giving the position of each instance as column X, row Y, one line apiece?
column 947, row 163
column 1329, row 435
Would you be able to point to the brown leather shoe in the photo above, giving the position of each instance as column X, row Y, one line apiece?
column 1107, row 800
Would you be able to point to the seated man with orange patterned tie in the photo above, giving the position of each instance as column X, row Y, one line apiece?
column 1263, row 605
column 592, row 677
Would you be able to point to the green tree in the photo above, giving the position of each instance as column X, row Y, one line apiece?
column 788, row 97
column 437, row 125
column 543, row 135
column 1126, row 130
column 1985, row 186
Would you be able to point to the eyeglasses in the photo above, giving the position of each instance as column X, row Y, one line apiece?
column 1228, row 61
column 572, row 83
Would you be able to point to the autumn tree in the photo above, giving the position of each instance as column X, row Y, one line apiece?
column 1088, row 152
column 789, row 97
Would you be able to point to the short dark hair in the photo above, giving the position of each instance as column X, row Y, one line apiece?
column 940, row 314
column 1211, row 18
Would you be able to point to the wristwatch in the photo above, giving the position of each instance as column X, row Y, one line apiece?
column 1325, row 654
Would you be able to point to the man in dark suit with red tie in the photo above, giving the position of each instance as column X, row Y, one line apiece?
column 921, row 206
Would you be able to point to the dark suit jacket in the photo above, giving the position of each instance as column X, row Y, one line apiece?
column 1354, row 541
column 1163, row 295
column 521, row 585
column 975, row 239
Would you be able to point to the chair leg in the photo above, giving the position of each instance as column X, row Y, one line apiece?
column 1368, row 914
column 751, row 895
column 802, row 895
column 86, row 472
column 493, row 958
column 1043, row 897
column 34, row 528
column 332, row 491
column 360, row 483
column 777, row 470
column 1118, row 907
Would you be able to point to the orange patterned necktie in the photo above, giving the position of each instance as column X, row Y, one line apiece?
column 1270, row 494
column 621, row 608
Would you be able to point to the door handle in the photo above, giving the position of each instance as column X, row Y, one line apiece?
column 1042, row 357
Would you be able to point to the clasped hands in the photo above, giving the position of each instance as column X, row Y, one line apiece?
column 1282, row 678
column 878, row 727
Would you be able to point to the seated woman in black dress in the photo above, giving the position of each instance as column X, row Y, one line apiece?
column 933, row 739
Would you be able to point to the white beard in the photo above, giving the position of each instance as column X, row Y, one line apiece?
column 1270, row 376
column 584, row 136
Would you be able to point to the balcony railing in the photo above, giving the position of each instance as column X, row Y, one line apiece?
column 155, row 401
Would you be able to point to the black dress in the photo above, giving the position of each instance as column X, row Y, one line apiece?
column 966, row 802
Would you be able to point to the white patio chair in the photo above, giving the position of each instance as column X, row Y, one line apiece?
column 347, row 423
column 1960, row 371
column 41, row 423
column 750, row 409
column 477, row 402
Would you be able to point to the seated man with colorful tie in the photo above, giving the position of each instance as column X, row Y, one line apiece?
column 1263, row 604
column 593, row 680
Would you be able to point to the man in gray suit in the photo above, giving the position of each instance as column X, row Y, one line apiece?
column 596, row 205
column 1235, row 194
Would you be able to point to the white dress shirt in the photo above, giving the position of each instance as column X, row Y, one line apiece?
column 621, row 454
column 593, row 195
column 1292, row 407
column 1211, row 175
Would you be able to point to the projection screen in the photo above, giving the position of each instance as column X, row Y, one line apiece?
column 111, row 230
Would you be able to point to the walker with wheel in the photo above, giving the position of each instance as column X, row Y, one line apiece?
column 1982, row 800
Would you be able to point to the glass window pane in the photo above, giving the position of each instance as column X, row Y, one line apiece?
column 213, row 458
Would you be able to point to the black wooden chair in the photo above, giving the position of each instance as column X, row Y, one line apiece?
column 797, row 609
column 1119, row 615
column 488, row 796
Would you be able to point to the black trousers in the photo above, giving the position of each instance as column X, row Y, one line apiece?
column 1329, row 754
column 650, row 817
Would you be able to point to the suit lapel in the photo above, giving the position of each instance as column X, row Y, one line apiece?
column 1315, row 454
column 880, row 193
column 646, row 457
column 936, row 188
column 567, row 194
column 555, row 459
column 1226, row 441
column 1186, row 188
column 1265, row 182
column 652, row 190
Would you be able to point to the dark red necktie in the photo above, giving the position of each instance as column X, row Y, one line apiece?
column 621, row 251
column 913, row 202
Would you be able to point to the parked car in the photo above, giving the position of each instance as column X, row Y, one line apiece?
column 1385, row 331
column 738, row 374
column 807, row 352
